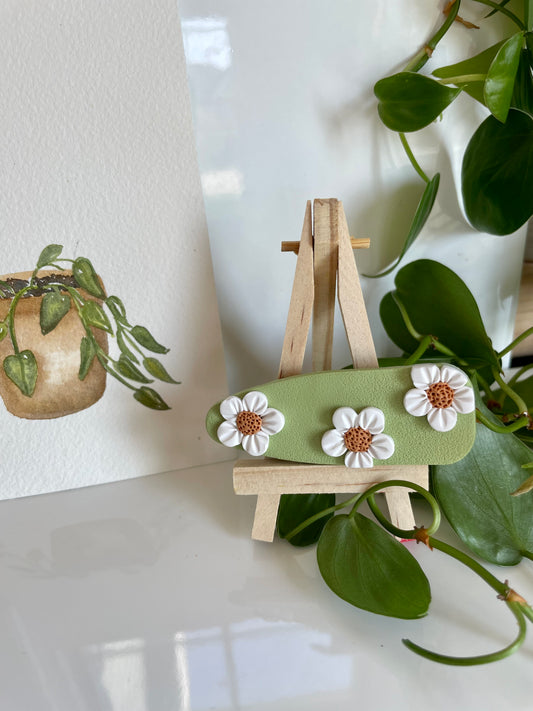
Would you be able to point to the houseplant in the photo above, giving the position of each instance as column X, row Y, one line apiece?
column 54, row 330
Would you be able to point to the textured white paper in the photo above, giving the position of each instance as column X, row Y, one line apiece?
column 97, row 154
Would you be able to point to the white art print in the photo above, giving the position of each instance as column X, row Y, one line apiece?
column 100, row 178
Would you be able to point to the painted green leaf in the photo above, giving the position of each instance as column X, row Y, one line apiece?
column 149, row 398
column 496, row 174
column 155, row 368
column 115, row 305
column 21, row 369
column 121, row 341
column 87, row 353
column 477, row 65
column 294, row 509
column 49, row 255
column 370, row 569
column 410, row 101
column 126, row 368
column 475, row 496
column 500, row 81
column 94, row 315
column 143, row 336
column 422, row 214
column 440, row 304
column 54, row 306
column 84, row 273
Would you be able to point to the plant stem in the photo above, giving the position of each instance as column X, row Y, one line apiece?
column 319, row 515
column 422, row 56
column 516, row 341
column 411, row 157
column 11, row 316
column 511, row 394
column 425, row 343
column 461, row 79
column 503, row 429
column 504, row 10
column 519, row 373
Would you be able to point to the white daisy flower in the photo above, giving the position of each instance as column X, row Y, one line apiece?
column 249, row 422
column 439, row 393
column 359, row 436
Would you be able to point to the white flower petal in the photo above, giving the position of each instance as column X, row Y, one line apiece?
column 442, row 419
column 255, row 444
column 344, row 418
column 229, row 435
column 416, row 402
column 273, row 421
column 333, row 443
column 464, row 400
column 372, row 419
column 453, row 376
column 230, row 407
column 425, row 374
column 357, row 460
column 255, row 401
column 382, row 446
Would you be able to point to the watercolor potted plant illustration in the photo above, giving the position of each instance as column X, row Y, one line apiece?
column 54, row 329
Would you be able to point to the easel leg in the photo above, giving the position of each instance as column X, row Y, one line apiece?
column 399, row 505
column 266, row 514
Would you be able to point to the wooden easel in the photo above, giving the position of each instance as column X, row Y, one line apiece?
column 325, row 261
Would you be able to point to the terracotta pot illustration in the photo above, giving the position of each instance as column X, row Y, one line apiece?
column 58, row 390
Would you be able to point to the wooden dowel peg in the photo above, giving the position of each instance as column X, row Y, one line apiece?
column 357, row 243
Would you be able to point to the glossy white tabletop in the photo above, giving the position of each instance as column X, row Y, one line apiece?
column 149, row 595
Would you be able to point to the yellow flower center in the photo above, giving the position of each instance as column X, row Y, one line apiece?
column 356, row 439
column 440, row 395
column 249, row 423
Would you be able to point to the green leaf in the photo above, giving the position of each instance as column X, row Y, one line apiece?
column 124, row 348
column 84, row 273
column 523, row 88
column 294, row 509
column 409, row 101
column 115, row 305
column 476, row 497
column 126, row 368
column 500, row 81
column 21, row 369
column 154, row 367
column 94, row 315
column 49, row 255
column 439, row 304
column 497, row 174
column 149, row 398
column 422, row 213
column 368, row 568
column 477, row 65
column 54, row 306
column 87, row 354
column 145, row 338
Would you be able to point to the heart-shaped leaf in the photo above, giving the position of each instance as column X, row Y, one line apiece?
column 21, row 369
column 294, row 509
column 497, row 166
column 49, row 255
column 87, row 353
column 475, row 495
column 143, row 336
column 368, row 568
column 422, row 213
column 440, row 304
column 149, row 398
column 410, row 101
column 155, row 368
column 523, row 88
column 500, row 81
column 126, row 368
column 54, row 306
column 94, row 315
column 115, row 305
column 84, row 273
